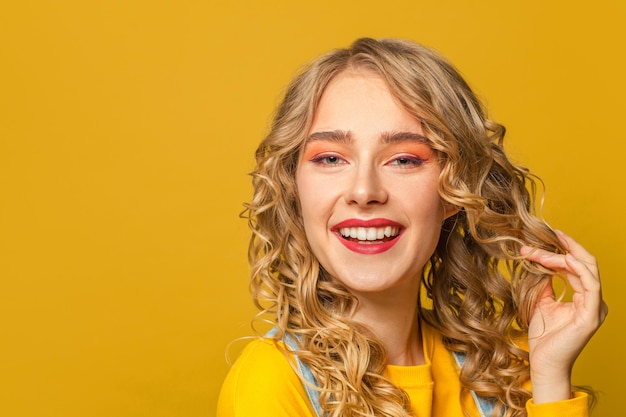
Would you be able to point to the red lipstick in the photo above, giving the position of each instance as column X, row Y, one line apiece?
column 389, row 229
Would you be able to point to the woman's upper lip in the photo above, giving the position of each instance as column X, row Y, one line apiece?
column 378, row 222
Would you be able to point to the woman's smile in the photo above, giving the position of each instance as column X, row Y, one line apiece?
column 368, row 236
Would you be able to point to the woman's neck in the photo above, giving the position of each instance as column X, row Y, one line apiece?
column 394, row 320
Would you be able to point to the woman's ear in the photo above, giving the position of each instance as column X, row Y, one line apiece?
column 449, row 210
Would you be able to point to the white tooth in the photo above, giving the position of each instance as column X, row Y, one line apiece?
column 371, row 233
column 394, row 231
column 387, row 231
column 380, row 233
column 345, row 231
column 353, row 232
column 361, row 233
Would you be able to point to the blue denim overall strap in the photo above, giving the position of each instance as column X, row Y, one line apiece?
column 303, row 370
column 485, row 405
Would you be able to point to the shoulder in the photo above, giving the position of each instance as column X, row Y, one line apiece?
column 262, row 358
column 263, row 382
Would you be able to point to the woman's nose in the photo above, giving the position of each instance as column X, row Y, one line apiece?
column 366, row 187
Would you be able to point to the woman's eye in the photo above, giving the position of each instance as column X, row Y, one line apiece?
column 327, row 160
column 407, row 161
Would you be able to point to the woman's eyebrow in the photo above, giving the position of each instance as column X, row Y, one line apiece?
column 394, row 137
column 386, row 137
column 332, row 135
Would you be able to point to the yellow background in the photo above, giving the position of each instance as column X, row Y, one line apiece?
column 127, row 129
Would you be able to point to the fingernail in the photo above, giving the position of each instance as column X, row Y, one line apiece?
column 526, row 250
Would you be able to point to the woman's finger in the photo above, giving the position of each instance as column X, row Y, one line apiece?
column 590, row 287
column 579, row 252
column 582, row 275
column 546, row 258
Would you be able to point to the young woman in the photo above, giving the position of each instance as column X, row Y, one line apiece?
column 395, row 246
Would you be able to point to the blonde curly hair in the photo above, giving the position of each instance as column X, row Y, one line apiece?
column 478, row 290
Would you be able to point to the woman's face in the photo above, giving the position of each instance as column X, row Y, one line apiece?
column 367, row 183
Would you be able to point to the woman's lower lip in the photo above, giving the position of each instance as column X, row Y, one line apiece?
column 368, row 247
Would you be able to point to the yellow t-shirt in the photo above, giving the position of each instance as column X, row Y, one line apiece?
column 262, row 382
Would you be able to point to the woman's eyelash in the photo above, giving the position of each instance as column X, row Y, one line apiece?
column 327, row 159
column 407, row 161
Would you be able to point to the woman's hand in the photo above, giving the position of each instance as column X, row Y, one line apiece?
column 559, row 330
